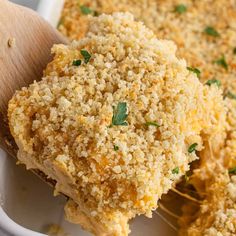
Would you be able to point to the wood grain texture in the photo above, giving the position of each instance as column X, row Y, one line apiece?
column 25, row 43
column 23, row 62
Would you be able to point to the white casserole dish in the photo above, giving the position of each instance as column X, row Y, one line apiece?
column 28, row 201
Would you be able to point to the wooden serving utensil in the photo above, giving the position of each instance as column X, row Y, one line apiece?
column 25, row 43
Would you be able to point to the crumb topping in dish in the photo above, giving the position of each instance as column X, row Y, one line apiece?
column 99, row 93
column 204, row 31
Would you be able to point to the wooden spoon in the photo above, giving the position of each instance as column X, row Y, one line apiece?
column 25, row 43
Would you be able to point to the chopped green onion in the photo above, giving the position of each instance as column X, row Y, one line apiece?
column 181, row 8
column 213, row 81
column 232, row 171
column 175, row 170
column 120, row 114
column 76, row 62
column 85, row 55
column 151, row 123
column 192, row 148
column 116, row 148
column 86, row 10
column 211, row 31
column 195, row 70
column 222, row 62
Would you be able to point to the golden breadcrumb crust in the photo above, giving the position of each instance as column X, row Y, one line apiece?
column 62, row 124
column 187, row 30
column 205, row 33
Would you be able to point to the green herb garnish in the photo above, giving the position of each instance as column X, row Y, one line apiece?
column 120, row 114
column 232, row 171
column 181, row 8
column 192, row 148
column 86, row 10
column 116, row 148
column 151, row 123
column 175, row 170
column 230, row 95
column 85, row 55
column 195, row 70
column 213, row 81
column 211, row 31
column 76, row 62
column 222, row 62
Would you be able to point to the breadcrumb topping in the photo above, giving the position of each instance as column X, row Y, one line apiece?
column 62, row 124
column 11, row 42
column 205, row 34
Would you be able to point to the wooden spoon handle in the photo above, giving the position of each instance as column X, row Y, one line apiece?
column 25, row 43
